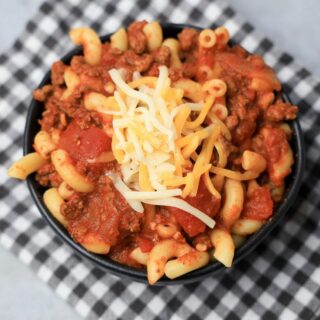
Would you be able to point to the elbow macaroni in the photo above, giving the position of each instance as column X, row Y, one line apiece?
column 92, row 46
column 71, row 80
column 167, row 230
column 222, row 35
column 233, row 203
column 207, row 38
column 119, row 40
column 215, row 87
column 53, row 201
column 186, row 263
column 174, row 48
column 138, row 255
column 93, row 243
column 44, row 144
column 68, row 172
column 252, row 161
column 25, row 166
column 281, row 168
column 159, row 256
column 244, row 227
column 100, row 103
column 223, row 246
column 65, row 191
column 153, row 32
column 191, row 89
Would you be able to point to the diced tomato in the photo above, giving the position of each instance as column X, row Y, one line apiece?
column 84, row 144
column 144, row 243
column 205, row 202
column 259, row 205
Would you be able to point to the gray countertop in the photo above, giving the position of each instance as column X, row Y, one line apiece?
column 293, row 26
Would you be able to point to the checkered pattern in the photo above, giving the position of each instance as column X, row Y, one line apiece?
column 279, row 280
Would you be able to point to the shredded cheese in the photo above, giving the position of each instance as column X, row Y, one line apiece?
column 156, row 134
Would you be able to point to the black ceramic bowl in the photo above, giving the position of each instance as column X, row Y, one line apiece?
column 293, row 183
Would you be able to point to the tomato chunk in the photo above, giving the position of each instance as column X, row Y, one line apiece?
column 144, row 243
column 205, row 202
column 84, row 144
column 259, row 205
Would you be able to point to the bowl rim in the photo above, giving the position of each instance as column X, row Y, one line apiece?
column 124, row 271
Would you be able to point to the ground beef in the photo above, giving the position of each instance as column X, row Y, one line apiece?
column 137, row 39
column 50, row 117
column 232, row 121
column 162, row 55
column 78, row 65
column 131, row 222
column 175, row 74
column 57, row 72
column 202, row 238
column 243, row 131
column 42, row 93
column 73, row 208
column 139, row 63
column 121, row 253
column 281, row 111
column 242, row 104
column 89, row 83
column 86, row 119
column 48, row 176
column 188, row 38
column 189, row 69
column 93, row 171
column 154, row 70
column 110, row 55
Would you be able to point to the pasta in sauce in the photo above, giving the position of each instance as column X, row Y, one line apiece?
column 163, row 154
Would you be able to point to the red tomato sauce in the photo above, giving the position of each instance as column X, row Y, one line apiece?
column 144, row 243
column 258, row 205
column 84, row 144
column 276, row 144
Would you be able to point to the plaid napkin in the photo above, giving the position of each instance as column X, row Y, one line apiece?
column 279, row 280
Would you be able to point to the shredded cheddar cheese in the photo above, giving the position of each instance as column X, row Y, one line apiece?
column 156, row 135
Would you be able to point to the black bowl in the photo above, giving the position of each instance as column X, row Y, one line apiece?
column 293, row 183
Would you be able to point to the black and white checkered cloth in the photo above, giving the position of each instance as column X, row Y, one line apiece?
column 279, row 280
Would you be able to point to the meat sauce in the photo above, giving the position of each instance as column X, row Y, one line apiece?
column 82, row 133
column 258, row 205
column 205, row 202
